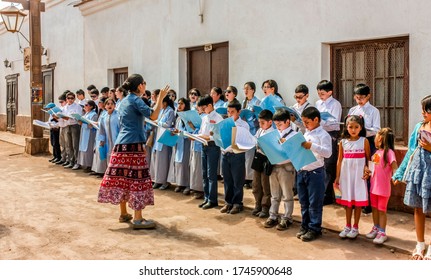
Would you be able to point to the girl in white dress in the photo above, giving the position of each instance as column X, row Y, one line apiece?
column 352, row 172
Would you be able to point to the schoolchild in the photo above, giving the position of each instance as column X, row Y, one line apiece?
column 54, row 134
column 270, row 87
column 352, row 172
column 233, row 166
column 161, row 153
column 371, row 117
column 173, row 96
column 62, row 126
column 193, row 96
column 260, row 185
column 87, row 137
column 80, row 98
column 310, row 178
column 301, row 97
column 384, row 166
column 73, row 130
column 104, row 92
column 328, row 103
column 181, row 153
column 282, row 178
column 415, row 171
column 210, row 153
column 120, row 93
column 231, row 93
column 248, row 103
column 109, row 127
column 100, row 163
column 94, row 94
column 218, row 97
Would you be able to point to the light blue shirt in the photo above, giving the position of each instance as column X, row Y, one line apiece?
column 132, row 112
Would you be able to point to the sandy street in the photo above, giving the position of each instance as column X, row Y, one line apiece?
column 50, row 213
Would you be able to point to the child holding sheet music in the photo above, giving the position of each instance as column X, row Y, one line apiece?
column 261, row 187
column 100, row 163
column 282, row 178
column 54, row 133
column 109, row 125
column 210, row 153
column 270, row 87
column 301, row 96
column 162, row 153
column 218, row 97
column 310, row 178
column 415, row 171
column 87, row 137
column 73, row 130
column 233, row 165
column 329, row 104
column 181, row 153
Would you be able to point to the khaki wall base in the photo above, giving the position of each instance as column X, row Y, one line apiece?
column 35, row 146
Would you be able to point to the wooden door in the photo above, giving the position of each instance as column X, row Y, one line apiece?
column 11, row 101
column 48, row 88
column 208, row 66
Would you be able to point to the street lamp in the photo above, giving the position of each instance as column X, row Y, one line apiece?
column 13, row 19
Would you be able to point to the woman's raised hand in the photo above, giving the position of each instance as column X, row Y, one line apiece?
column 164, row 92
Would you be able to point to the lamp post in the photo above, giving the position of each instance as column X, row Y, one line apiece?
column 13, row 19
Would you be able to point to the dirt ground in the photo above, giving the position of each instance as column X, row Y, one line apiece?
column 50, row 213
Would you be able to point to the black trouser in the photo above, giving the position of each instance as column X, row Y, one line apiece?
column 372, row 151
column 55, row 142
column 331, row 168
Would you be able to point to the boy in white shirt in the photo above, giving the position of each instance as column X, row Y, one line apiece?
column 233, row 166
column 301, row 97
column 371, row 117
column 310, row 179
column 329, row 104
column 260, row 185
column 282, row 178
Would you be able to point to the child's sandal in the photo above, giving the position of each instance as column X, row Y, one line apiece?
column 125, row 218
column 418, row 253
column 428, row 254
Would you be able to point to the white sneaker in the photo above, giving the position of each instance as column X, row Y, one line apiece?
column 344, row 233
column 373, row 233
column 76, row 166
column 353, row 233
column 381, row 238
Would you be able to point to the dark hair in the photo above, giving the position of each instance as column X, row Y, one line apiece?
column 108, row 99
column 233, row 89
column 92, row 104
column 388, row 142
column 234, row 104
column 353, row 118
column 426, row 104
column 70, row 93
column 123, row 91
column 252, row 85
column 172, row 91
column 272, row 84
column 219, row 91
column 90, row 87
column 194, row 90
column 281, row 115
column 325, row 85
column 104, row 90
column 186, row 103
column 102, row 99
column 94, row 91
column 66, row 91
column 265, row 115
column 169, row 101
column 361, row 89
column 147, row 93
column 311, row 113
column 132, row 82
column 62, row 97
column 80, row 92
column 205, row 100
column 301, row 88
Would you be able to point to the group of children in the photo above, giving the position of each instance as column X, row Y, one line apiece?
column 354, row 167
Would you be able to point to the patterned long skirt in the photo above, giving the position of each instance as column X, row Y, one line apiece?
column 127, row 178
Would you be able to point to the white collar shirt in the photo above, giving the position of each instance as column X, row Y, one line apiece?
column 208, row 123
column 286, row 134
column 371, row 117
column 321, row 146
column 332, row 106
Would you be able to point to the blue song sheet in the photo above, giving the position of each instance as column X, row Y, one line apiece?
column 270, row 144
column 291, row 111
column 78, row 117
column 247, row 115
column 324, row 116
column 190, row 116
column 269, row 102
column 221, row 110
column 257, row 109
column 298, row 155
column 166, row 138
column 222, row 133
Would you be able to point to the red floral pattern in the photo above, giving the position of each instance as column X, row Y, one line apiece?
column 127, row 178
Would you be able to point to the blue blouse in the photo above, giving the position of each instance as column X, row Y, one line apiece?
column 132, row 112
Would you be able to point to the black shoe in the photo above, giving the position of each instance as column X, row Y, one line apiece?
column 156, row 186
column 235, row 209
column 164, row 187
column 186, row 191
column 301, row 232
column 65, row 163
column 269, row 223
column 247, row 186
column 60, row 162
column 328, row 201
column 256, row 211
column 203, row 203
column 198, row 195
column 219, row 178
column 309, row 236
column 56, row 160
column 53, row 159
column 209, row 205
